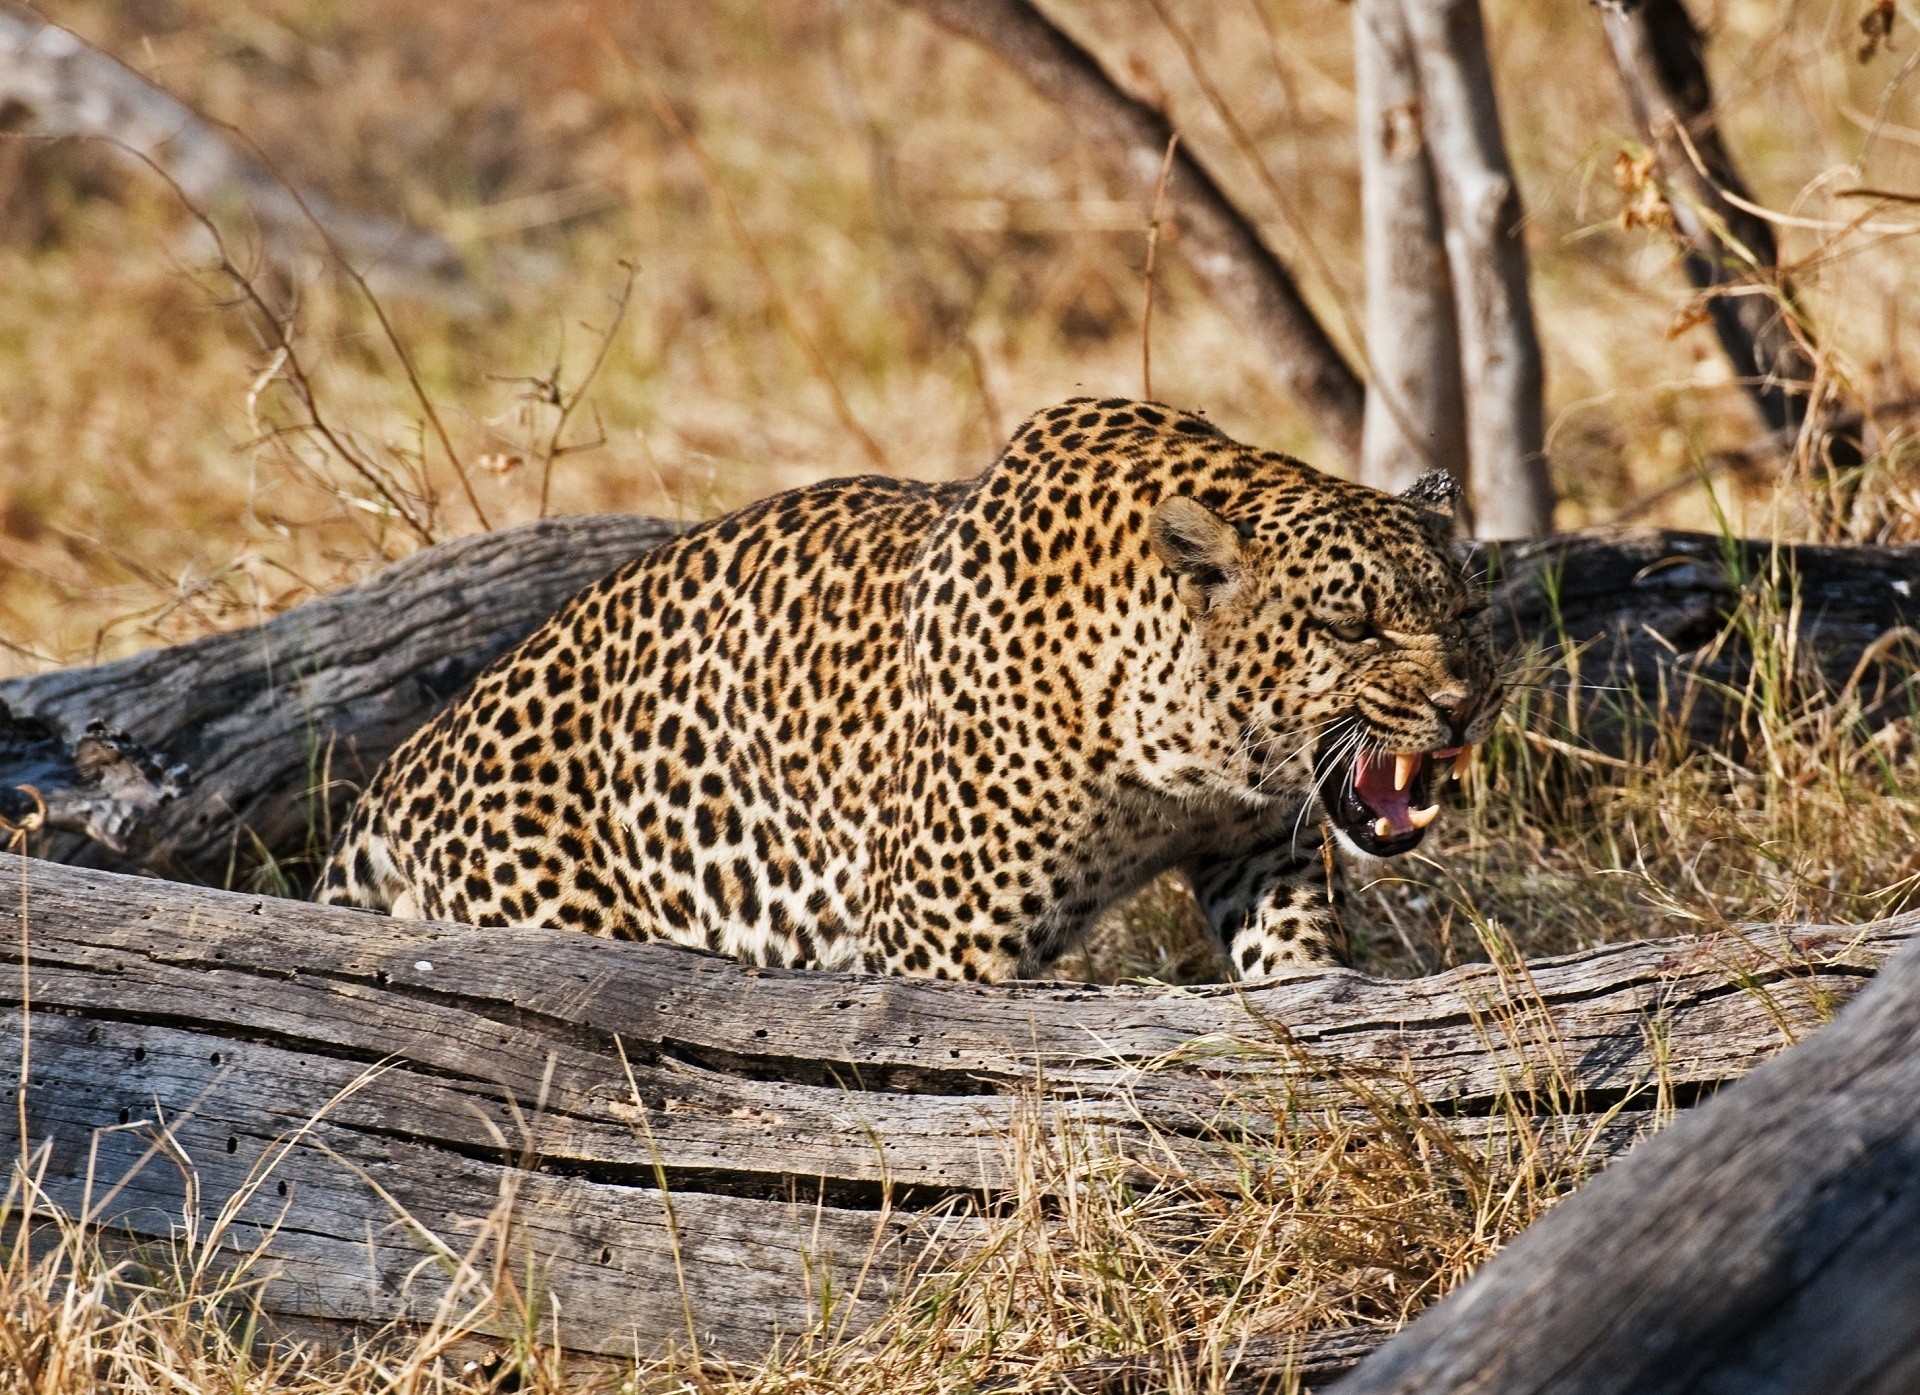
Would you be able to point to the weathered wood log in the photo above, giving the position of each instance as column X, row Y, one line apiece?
column 794, row 1119
column 1416, row 409
column 212, row 756
column 1764, row 1244
column 1658, row 632
column 217, row 757
column 1226, row 251
column 1487, row 252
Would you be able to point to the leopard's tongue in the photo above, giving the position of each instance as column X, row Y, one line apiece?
column 1373, row 782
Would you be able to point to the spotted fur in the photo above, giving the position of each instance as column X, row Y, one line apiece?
column 934, row 729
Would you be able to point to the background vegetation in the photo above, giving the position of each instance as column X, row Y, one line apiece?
column 914, row 232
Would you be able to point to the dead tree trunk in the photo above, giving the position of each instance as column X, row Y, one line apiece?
column 366, row 1084
column 1731, row 252
column 211, row 760
column 1241, row 273
column 54, row 84
column 1764, row 1244
column 208, row 759
column 1416, row 413
column 1486, row 250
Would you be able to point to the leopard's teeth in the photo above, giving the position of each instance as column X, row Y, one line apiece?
column 1460, row 761
column 1404, row 766
column 1420, row 818
column 1382, row 828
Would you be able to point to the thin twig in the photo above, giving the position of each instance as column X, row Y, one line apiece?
column 566, row 402
column 374, row 303
column 1146, row 274
column 281, row 342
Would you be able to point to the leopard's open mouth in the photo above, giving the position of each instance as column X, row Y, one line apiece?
column 1383, row 800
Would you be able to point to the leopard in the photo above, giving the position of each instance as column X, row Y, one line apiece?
column 933, row 729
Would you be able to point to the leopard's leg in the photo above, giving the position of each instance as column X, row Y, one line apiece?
column 1275, row 909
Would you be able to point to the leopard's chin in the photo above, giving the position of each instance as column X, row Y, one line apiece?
column 1382, row 801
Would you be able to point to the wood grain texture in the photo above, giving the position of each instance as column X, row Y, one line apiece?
column 804, row 1124
column 259, row 722
column 1763, row 1245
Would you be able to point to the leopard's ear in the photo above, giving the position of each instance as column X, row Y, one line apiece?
column 1439, row 490
column 1204, row 552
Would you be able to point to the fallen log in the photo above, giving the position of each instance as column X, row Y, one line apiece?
column 233, row 755
column 1764, row 1244
column 204, row 760
column 372, row 1089
column 1658, row 635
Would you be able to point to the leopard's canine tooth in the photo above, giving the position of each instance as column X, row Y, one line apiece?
column 1420, row 818
column 1404, row 766
column 1382, row 828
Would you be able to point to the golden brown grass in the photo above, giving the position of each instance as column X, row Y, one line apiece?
column 955, row 259
column 940, row 236
column 1353, row 1204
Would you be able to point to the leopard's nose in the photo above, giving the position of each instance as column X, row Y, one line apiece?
column 1456, row 707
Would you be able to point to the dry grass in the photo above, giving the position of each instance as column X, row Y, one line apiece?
column 954, row 259
column 941, row 238
column 1354, row 1204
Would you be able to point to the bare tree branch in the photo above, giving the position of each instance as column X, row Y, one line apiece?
column 1660, row 57
column 54, row 84
column 1225, row 250
column 1499, row 350
column 1416, row 412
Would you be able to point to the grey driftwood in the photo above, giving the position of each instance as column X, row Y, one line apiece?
column 805, row 1126
column 1764, row 1244
column 209, row 760
column 204, row 759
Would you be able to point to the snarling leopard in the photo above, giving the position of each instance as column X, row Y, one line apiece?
column 934, row 729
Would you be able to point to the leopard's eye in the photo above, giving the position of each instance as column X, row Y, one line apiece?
column 1354, row 628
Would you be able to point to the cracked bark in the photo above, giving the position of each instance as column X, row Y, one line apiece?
column 782, row 1109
